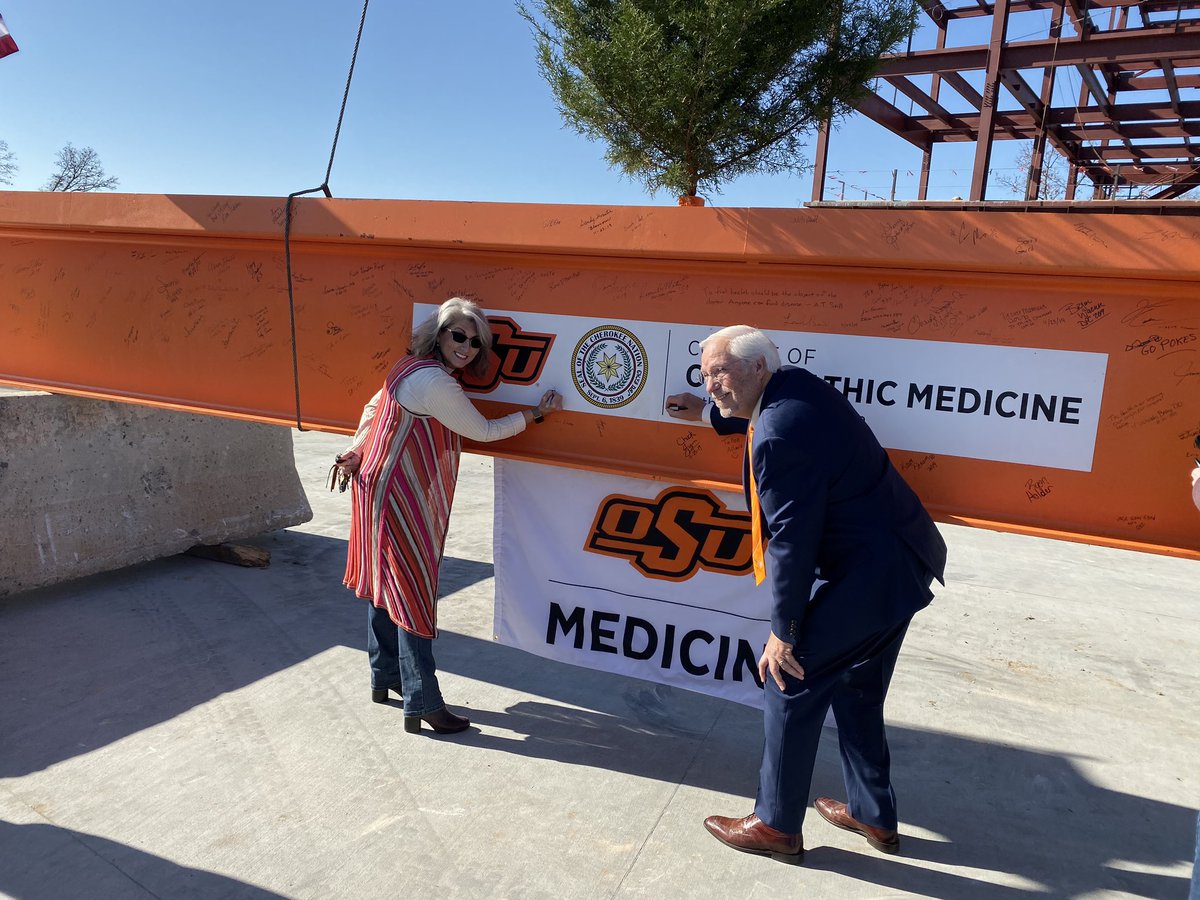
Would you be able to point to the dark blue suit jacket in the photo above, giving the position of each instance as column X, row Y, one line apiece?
column 833, row 506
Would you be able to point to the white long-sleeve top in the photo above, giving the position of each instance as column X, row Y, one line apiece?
column 432, row 391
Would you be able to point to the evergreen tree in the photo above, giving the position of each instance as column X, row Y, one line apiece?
column 689, row 94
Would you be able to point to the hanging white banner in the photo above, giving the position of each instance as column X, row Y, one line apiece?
column 1027, row 405
column 625, row 575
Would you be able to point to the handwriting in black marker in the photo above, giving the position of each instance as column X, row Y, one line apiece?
column 1038, row 490
column 222, row 211
column 964, row 234
column 1137, row 345
column 1148, row 313
column 892, row 233
column 1184, row 372
column 1161, row 347
column 690, row 444
column 1090, row 234
column 1088, row 312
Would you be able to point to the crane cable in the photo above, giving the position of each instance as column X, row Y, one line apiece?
column 287, row 216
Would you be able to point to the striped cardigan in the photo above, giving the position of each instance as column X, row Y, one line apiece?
column 402, row 494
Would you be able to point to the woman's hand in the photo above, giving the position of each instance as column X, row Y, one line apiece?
column 551, row 401
column 348, row 463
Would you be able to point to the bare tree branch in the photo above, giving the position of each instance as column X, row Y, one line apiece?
column 79, row 170
column 1053, row 182
column 8, row 165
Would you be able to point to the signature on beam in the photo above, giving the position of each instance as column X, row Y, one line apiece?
column 1185, row 372
column 1147, row 313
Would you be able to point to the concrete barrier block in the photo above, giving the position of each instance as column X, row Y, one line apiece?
column 89, row 486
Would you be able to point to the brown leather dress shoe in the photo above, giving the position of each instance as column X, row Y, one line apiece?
column 753, row 835
column 835, row 812
column 443, row 722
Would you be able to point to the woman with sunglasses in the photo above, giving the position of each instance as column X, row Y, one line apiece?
column 405, row 461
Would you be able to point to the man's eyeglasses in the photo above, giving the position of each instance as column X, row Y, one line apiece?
column 460, row 337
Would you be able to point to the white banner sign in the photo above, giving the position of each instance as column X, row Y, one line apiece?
column 637, row 577
column 1009, row 404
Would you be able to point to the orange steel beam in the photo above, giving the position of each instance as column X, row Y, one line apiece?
column 181, row 302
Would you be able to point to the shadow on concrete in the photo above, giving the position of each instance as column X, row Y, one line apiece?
column 87, row 663
column 88, row 867
column 83, row 666
column 992, row 807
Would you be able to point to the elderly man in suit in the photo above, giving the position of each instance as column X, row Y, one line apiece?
column 826, row 507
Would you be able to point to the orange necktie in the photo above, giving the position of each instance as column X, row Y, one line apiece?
column 758, row 545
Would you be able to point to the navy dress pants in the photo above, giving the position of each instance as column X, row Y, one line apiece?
column 854, row 682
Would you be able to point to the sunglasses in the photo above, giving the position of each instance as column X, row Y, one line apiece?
column 460, row 337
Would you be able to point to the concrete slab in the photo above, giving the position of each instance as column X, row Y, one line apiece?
column 184, row 728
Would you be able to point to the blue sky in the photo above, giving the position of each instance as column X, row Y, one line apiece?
column 446, row 104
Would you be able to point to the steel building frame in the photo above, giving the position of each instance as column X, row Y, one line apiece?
column 1134, row 124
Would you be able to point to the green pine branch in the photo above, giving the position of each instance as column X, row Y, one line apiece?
column 689, row 94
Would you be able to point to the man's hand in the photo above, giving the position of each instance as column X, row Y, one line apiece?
column 688, row 407
column 777, row 657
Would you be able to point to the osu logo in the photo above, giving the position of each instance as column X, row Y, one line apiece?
column 670, row 537
column 517, row 357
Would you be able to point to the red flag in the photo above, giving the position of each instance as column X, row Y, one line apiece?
column 7, row 44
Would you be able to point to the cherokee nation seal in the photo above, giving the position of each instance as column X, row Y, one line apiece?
column 609, row 367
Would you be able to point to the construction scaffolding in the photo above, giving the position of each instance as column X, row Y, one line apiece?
column 1134, row 119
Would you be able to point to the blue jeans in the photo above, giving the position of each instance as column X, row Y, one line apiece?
column 404, row 661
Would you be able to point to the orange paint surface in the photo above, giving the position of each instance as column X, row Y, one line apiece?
column 181, row 301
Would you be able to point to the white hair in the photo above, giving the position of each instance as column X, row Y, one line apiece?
column 746, row 344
